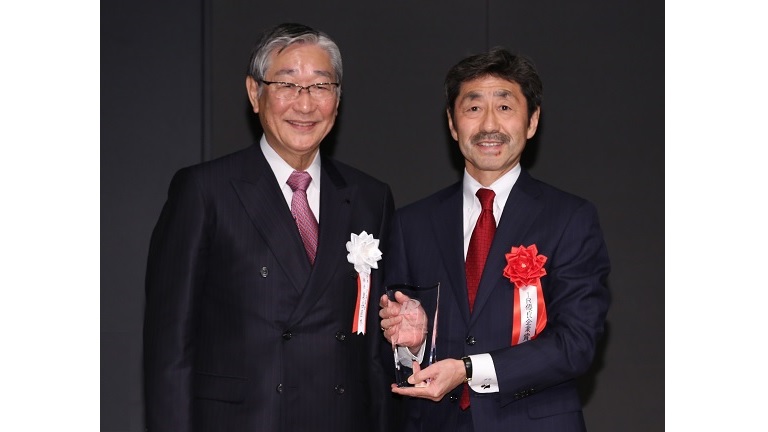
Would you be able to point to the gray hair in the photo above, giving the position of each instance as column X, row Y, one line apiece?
column 284, row 35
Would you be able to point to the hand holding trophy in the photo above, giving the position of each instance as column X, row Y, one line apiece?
column 409, row 314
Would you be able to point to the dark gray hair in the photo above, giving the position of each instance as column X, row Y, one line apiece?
column 284, row 35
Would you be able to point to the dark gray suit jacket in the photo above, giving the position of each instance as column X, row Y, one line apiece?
column 241, row 333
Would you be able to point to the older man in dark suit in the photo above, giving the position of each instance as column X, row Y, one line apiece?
column 261, row 265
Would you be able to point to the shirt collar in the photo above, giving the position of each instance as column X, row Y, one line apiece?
column 502, row 187
column 282, row 170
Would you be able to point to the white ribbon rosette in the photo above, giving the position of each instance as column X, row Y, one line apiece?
column 363, row 254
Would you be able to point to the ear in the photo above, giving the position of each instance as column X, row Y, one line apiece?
column 454, row 134
column 338, row 103
column 533, row 124
column 253, row 92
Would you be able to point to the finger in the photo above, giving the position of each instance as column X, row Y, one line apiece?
column 391, row 321
column 390, row 310
column 401, row 298
column 386, row 313
column 419, row 391
column 414, row 379
column 383, row 301
column 387, row 323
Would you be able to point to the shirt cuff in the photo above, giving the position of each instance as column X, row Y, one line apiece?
column 405, row 354
column 483, row 374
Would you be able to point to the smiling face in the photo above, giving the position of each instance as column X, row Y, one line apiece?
column 295, row 128
column 491, row 126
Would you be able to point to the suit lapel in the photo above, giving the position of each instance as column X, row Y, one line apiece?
column 336, row 203
column 447, row 226
column 265, row 204
column 520, row 213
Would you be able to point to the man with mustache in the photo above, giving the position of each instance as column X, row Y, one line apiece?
column 522, row 268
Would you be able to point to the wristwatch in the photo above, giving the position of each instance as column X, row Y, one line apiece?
column 468, row 368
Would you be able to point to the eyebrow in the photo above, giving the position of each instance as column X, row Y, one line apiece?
column 292, row 72
column 476, row 95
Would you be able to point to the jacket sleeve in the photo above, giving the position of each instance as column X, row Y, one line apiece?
column 577, row 300
column 176, row 266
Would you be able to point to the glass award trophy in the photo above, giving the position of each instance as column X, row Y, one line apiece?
column 417, row 329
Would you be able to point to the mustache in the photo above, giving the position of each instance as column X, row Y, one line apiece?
column 490, row 136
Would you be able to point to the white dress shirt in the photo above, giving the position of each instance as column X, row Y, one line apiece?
column 484, row 378
column 282, row 171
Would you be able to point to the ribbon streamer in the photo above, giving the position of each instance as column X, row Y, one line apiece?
column 361, row 307
column 529, row 313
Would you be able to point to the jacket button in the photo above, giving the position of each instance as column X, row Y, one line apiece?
column 279, row 388
column 339, row 389
column 453, row 398
column 340, row 336
column 287, row 335
column 471, row 340
column 264, row 272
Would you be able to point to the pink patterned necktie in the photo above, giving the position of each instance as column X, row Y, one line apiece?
column 479, row 245
column 305, row 219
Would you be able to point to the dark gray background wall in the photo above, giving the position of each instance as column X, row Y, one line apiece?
column 173, row 94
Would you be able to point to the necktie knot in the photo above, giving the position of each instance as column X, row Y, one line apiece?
column 486, row 197
column 299, row 180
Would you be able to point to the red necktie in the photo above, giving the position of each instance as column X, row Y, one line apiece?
column 479, row 244
column 305, row 219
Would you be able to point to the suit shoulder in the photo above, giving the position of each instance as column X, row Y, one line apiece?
column 431, row 200
column 352, row 174
column 553, row 196
column 224, row 163
column 556, row 192
column 217, row 172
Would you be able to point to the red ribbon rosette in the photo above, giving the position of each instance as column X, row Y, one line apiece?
column 525, row 267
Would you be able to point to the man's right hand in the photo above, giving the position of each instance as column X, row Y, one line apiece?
column 403, row 321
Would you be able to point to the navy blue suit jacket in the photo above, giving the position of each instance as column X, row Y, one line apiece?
column 537, row 388
column 241, row 333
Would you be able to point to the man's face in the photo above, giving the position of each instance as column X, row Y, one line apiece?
column 491, row 126
column 295, row 128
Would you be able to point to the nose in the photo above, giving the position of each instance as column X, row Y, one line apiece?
column 490, row 122
column 304, row 102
